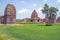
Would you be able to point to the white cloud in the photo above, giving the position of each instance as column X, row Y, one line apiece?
column 45, row 1
column 39, row 10
column 23, row 10
column 58, row 0
column 40, row 13
column 59, row 9
column 22, row 1
column 34, row 4
column 22, row 13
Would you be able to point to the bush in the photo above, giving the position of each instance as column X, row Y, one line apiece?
column 48, row 24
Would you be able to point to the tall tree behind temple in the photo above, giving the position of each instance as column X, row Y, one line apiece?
column 53, row 11
column 45, row 10
column 50, row 12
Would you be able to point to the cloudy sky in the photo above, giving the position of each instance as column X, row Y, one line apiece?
column 24, row 8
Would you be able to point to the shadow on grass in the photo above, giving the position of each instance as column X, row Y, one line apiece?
column 44, row 25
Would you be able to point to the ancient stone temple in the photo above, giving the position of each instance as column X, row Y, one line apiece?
column 9, row 15
column 58, row 19
column 1, row 19
column 34, row 17
column 50, row 18
column 46, row 18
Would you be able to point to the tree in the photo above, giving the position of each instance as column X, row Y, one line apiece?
column 45, row 10
column 51, row 12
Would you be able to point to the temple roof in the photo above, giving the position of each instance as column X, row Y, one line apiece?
column 34, row 14
column 10, row 9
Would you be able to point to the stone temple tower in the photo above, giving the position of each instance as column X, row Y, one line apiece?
column 9, row 14
column 34, row 16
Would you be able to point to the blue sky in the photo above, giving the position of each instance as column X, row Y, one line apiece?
column 24, row 8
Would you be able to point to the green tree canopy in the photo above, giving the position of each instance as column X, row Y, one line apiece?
column 51, row 11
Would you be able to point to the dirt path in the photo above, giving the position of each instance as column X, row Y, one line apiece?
column 10, row 24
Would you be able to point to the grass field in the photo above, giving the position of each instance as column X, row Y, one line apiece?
column 30, row 32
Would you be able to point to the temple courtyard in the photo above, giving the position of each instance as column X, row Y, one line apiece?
column 30, row 32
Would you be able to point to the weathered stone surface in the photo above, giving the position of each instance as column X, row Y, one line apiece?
column 58, row 20
column 9, row 14
column 34, row 16
column 1, row 19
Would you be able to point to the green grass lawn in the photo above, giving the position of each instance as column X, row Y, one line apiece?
column 30, row 32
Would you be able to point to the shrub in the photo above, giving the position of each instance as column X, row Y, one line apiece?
column 48, row 24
